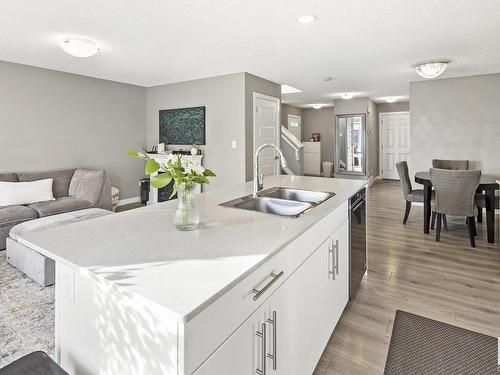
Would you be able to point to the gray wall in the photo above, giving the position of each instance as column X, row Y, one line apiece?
column 393, row 107
column 372, row 146
column 261, row 86
column 457, row 118
column 290, row 110
column 224, row 99
column 52, row 120
column 320, row 121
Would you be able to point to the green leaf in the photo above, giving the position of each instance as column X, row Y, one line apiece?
column 152, row 166
column 200, row 179
column 161, row 180
column 174, row 191
column 136, row 154
column 208, row 173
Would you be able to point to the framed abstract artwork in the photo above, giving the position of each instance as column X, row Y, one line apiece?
column 182, row 126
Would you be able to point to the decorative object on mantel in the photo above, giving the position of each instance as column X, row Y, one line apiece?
column 186, row 175
column 195, row 150
column 183, row 126
column 154, row 150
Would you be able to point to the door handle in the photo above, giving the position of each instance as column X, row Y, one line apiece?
column 262, row 335
column 273, row 356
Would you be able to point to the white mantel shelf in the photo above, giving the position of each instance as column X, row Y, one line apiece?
column 141, row 253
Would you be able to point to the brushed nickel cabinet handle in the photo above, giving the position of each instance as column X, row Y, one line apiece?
column 331, row 264
column 336, row 257
column 273, row 356
column 262, row 335
column 259, row 293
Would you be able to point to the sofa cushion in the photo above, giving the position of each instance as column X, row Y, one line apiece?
column 60, row 205
column 87, row 184
column 8, row 177
column 56, row 220
column 12, row 215
column 61, row 179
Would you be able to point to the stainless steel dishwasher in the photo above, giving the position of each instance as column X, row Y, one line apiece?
column 357, row 240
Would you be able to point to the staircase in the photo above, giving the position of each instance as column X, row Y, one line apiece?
column 293, row 150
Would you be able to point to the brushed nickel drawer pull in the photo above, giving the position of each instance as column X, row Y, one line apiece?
column 331, row 272
column 336, row 257
column 259, row 293
column 273, row 356
column 262, row 335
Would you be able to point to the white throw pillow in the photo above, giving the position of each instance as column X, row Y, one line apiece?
column 19, row 193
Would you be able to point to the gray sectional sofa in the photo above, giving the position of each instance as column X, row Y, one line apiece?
column 74, row 189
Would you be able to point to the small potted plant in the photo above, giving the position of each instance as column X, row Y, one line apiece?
column 186, row 174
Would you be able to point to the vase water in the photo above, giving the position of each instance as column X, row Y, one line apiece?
column 186, row 216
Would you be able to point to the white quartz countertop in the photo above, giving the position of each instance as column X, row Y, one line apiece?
column 140, row 251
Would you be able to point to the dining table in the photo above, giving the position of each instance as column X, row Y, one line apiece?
column 488, row 184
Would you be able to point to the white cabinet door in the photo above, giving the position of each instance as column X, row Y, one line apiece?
column 241, row 354
column 340, row 242
column 318, row 305
column 283, row 316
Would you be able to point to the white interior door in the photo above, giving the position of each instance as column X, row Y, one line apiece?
column 394, row 142
column 266, row 128
column 295, row 125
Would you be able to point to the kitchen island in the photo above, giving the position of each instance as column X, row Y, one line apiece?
column 246, row 293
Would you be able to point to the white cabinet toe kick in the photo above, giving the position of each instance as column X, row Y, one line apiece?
column 277, row 320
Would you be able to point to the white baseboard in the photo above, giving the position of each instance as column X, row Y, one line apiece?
column 123, row 202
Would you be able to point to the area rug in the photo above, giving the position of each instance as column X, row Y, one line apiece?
column 424, row 346
column 26, row 315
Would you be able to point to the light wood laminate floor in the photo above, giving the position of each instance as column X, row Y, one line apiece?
column 408, row 270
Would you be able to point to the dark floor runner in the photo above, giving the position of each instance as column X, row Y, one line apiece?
column 425, row 346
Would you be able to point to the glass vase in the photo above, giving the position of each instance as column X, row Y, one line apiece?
column 186, row 216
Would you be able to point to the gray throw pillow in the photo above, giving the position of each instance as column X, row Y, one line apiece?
column 87, row 184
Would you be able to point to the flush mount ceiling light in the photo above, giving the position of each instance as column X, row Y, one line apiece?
column 347, row 95
column 287, row 89
column 431, row 69
column 391, row 99
column 308, row 18
column 78, row 46
column 317, row 106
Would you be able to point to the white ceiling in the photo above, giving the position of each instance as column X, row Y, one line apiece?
column 367, row 46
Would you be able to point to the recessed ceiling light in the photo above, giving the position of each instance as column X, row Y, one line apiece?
column 317, row 106
column 391, row 99
column 287, row 89
column 431, row 69
column 308, row 18
column 347, row 95
column 78, row 46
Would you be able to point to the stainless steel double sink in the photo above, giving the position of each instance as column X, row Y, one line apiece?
column 282, row 201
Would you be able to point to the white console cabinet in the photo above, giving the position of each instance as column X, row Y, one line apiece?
column 312, row 158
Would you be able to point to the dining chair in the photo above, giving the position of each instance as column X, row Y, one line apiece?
column 409, row 194
column 455, row 196
column 450, row 164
